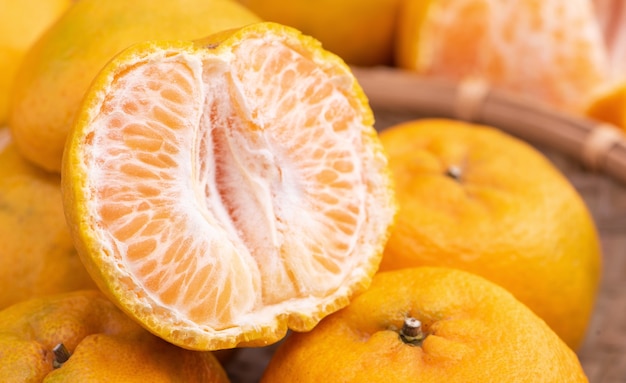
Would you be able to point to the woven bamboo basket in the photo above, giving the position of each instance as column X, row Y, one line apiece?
column 592, row 155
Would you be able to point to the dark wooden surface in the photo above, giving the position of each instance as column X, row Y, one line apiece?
column 603, row 354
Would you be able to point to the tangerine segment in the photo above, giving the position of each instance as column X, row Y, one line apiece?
column 223, row 192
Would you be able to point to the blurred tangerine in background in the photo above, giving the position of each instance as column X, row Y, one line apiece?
column 428, row 325
column 359, row 31
column 548, row 50
column 21, row 24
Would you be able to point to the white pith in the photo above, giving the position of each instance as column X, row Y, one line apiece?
column 259, row 230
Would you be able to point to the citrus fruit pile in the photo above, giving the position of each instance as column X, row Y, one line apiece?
column 180, row 179
column 21, row 24
column 38, row 255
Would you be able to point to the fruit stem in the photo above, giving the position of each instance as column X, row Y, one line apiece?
column 61, row 355
column 454, row 172
column 411, row 332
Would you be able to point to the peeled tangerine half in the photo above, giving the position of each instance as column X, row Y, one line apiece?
column 223, row 191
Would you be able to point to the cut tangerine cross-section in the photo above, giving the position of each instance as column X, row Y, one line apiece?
column 224, row 191
column 548, row 50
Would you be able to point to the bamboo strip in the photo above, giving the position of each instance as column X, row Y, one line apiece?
column 578, row 137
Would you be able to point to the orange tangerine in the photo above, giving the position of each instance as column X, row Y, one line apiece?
column 224, row 190
column 37, row 256
column 475, row 198
column 428, row 325
column 608, row 105
column 81, row 336
column 361, row 32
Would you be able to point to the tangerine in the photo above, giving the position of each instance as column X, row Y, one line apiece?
column 475, row 198
column 427, row 325
column 224, row 190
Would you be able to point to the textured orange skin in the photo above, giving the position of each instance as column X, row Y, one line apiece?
column 475, row 332
column 37, row 256
column 534, row 49
column 106, row 346
column 511, row 217
column 21, row 23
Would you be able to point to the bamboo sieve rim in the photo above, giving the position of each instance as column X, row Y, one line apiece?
column 598, row 146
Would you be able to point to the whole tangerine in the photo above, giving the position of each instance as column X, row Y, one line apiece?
column 473, row 197
column 428, row 325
